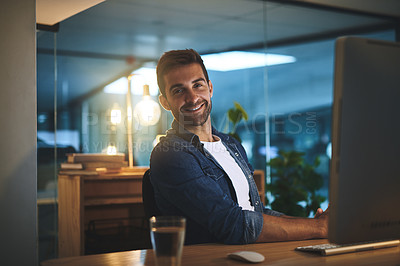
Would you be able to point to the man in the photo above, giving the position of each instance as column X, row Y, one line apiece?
column 204, row 175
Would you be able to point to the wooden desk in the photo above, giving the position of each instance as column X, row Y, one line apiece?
column 279, row 253
column 85, row 198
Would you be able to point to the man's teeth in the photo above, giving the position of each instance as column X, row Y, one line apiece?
column 197, row 108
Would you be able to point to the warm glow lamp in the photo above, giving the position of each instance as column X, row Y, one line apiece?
column 147, row 112
column 111, row 149
column 116, row 116
column 115, row 119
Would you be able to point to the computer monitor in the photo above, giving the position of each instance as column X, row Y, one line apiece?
column 365, row 166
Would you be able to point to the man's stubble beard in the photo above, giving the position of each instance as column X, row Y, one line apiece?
column 189, row 120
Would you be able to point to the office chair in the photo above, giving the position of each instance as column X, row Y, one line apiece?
column 149, row 202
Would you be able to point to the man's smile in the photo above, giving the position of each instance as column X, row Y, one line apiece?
column 193, row 109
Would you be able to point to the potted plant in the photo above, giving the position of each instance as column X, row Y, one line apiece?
column 235, row 115
column 294, row 181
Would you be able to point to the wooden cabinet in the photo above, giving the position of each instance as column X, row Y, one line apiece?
column 83, row 199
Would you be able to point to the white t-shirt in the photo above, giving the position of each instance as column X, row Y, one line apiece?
column 235, row 173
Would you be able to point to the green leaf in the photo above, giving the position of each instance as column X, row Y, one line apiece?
column 241, row 110
column 233, row 116
column 317, row 161
column 293, row 180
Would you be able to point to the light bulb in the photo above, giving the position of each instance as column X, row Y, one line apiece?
column 115, row 116
column 111, row 150
column 147, row 112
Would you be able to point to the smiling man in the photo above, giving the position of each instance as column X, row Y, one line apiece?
column 189, row 98
column 204, row 175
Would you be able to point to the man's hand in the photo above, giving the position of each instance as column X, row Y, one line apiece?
column 285, row 228
column 318, row 213
column 322, row 216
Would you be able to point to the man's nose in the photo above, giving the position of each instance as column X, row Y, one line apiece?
column 191, row 96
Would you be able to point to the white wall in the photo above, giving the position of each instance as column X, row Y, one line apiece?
column 18, row 243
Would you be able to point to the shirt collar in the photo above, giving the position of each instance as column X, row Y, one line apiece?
column 178, row 130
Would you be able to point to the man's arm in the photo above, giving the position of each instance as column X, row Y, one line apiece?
column 285, row 228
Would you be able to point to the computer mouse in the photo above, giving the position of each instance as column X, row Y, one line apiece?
column 247, row 256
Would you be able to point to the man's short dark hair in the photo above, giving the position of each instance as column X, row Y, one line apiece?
column 176, row 58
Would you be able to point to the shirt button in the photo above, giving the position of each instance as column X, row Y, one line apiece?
column 257, row 203
column 237, row 154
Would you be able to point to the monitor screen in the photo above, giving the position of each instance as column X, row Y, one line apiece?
column 365, row 166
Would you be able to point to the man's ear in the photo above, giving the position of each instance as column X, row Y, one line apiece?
column 164, row 102
column 211, row 88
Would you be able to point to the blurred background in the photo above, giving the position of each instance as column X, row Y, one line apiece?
column 84, row 60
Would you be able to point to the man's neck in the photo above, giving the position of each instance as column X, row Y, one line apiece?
column 204, row 132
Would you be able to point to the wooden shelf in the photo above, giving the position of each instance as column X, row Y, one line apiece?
column 119, row 176
column 85, row 198
column 110, row 201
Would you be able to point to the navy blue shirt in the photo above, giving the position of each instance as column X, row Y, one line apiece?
column 189, row 182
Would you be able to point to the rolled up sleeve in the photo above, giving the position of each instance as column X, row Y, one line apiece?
column 272, row 212
column 254, row 223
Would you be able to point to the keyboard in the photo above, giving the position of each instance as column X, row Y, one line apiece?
column 333, row 249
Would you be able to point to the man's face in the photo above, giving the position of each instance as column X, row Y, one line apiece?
column 187, row 95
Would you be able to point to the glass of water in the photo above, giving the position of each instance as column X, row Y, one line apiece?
column 167, row 238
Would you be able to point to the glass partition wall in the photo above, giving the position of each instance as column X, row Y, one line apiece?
column 47, row 150
column 288, row 103
column 300, row 100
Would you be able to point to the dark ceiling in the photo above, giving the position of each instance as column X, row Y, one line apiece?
column 111, row 39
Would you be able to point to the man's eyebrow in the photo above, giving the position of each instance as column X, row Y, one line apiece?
column 199, row 79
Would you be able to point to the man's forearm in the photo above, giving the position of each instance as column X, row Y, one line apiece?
column 286, row 228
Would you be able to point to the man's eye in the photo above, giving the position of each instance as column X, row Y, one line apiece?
column 197, row 85
column 177, row 91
